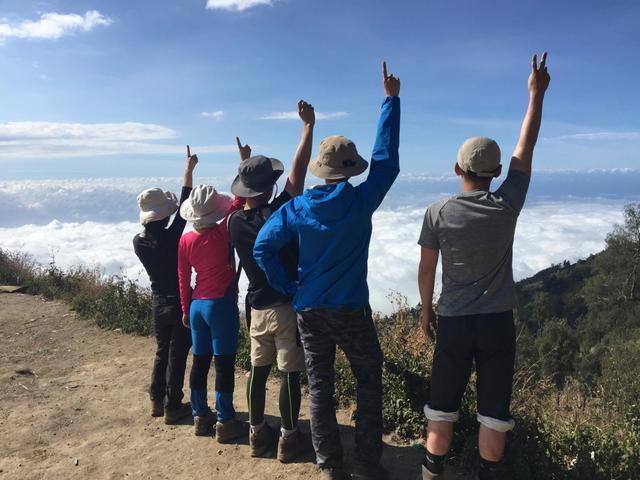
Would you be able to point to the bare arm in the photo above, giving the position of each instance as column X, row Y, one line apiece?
column 295, row 181
column 426, row 283
column 192, row 161
column 538, row 83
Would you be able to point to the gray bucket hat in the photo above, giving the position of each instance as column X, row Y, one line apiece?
column 338, row 158
column 479, row 156
column 256, row 175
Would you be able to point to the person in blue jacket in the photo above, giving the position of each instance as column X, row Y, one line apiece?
column 332, row 225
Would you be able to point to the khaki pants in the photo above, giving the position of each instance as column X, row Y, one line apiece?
column 274, row 338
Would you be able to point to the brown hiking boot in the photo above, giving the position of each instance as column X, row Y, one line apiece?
column 174, row 415
column 263, row 441
column 429, row 475
column 334, row 474
column 204, row 424
column 157, row 408
column 230, row 430
column 293, row 446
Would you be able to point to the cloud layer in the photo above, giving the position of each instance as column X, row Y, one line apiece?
column 51, row 26
column 92, row 222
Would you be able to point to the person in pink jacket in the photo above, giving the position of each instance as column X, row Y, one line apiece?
column 211, row 308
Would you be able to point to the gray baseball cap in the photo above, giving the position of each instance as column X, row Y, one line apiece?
column 479, row 156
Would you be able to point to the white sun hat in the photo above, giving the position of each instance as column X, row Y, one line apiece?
column 205, row 206
column 156, row 204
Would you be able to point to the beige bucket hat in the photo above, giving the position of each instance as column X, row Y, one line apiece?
column 338, row 158
column 205, row 206
column 479, row 156
column 156, row 204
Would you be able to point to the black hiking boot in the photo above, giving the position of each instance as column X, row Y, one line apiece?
column 263, row 441
column 293, row 446
column 231, row 430
column 174, row 415
column 157, row 408
column 334, row 474
column 204, row 424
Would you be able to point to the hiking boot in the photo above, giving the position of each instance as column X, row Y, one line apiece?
column 174, row 415
column 334, row 474
column 230, row 430
column 293, row 446
column 369, row 471
column 157, row 408
column 204, row 424
column 429, row 475
column 263, row 441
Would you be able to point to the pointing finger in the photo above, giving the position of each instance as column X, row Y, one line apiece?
column 384, row 70
column 534, row 63
column 238, row 142
column 188, row 151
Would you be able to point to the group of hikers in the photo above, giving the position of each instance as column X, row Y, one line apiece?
column 305, row 255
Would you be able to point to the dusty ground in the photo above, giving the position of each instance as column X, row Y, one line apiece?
column 73, row 406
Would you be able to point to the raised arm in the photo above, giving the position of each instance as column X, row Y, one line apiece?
column 274, row 235
column 538, row 83
column 385, row 161
column 178, row 224
column 426, row 283
column 295, row 181
column 192, row 161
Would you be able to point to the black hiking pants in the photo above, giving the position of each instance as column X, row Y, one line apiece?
column 321, row 330
column 173, row 344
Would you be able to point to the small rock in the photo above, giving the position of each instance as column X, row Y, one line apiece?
column 220, row 452
column 76, row 462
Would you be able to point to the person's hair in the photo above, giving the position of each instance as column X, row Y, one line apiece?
column 159, row 223
column 261, row 199
column 481, row 183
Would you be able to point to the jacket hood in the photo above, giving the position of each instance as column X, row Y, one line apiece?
column 328, row 202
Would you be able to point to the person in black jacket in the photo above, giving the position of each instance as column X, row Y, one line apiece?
column 157, row 248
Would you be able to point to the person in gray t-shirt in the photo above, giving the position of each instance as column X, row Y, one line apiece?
column 473, row 231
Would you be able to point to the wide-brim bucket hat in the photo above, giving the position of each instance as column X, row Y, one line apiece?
column 155, row 204
column 338, row 158
column 256, row 175
column 205, row 206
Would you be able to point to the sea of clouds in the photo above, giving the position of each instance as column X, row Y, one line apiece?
column 92, row 222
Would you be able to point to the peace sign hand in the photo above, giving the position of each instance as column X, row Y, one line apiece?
column 245, row 151
column 390, row 82
column 539, row 78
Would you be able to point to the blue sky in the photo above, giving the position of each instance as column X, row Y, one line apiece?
column 105, row 89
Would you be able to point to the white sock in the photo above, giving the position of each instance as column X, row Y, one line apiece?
column 285, row 433
column 256, row 428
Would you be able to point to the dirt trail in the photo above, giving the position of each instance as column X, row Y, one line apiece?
column 72, row 391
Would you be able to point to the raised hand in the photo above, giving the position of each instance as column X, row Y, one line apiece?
column 245, row 151
column 390, row 82
column 539, row 78
column 306, row 112
column 192, row 160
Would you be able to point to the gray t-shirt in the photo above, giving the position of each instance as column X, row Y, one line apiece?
column 474, row 233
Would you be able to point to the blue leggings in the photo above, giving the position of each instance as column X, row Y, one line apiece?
column 214, row 332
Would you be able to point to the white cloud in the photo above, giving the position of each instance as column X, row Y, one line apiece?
column 294, row 115
column 67, row 140
column 53, row 25
column 600, row 136
column 237, row 5
column 217, row 115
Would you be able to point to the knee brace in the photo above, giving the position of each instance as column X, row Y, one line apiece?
column 225, row 374
column 199, row 372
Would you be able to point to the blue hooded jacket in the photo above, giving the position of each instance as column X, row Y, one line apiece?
column 332, row 226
